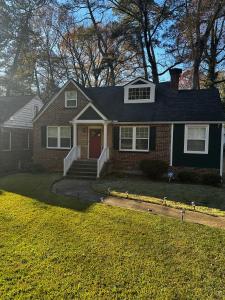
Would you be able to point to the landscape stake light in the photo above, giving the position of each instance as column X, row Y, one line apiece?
column 164, row 200
column 170, row 175
column 182, row 214
column 127, row 194
column 109, row 191
column 193, row 204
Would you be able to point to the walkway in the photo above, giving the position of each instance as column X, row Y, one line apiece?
column 189, row 216
column 78, row 188
column 82, row 189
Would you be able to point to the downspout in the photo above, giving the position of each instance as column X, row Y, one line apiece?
column 171, row 145
column 221, row 150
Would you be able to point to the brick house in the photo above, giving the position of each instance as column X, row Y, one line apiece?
column 16, row 130
column 81, row 129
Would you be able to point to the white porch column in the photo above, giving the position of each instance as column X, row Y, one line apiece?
column 105, row 136
column 74, row 135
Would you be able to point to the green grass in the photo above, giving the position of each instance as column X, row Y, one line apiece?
column 54, row 247
column 209, row 200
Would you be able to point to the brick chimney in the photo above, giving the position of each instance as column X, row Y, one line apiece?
column 175, row 76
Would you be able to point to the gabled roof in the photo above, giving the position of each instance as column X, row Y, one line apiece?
column 10, row 105
column 76, row 84
column 170, row 105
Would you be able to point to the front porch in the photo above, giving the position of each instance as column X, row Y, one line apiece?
column 91, row 142
column 92, row 139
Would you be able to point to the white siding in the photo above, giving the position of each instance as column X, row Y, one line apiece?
column 23, row 118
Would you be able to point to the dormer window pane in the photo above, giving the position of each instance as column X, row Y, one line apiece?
column 142, row 93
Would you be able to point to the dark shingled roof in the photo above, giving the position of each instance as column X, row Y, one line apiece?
column 10, row 105
column 169, row 105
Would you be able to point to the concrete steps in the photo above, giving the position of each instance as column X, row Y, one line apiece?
column 83, row 169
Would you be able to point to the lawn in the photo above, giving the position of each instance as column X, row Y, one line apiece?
column 208, row 199
column 54, row 247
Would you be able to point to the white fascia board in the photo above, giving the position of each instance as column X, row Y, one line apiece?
column 56, row 96
column 85, row 108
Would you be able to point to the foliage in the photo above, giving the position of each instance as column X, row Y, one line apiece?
column 44, row 43
column 211, row 179
column 154, row 169
column 57, row 248
column 188, row 177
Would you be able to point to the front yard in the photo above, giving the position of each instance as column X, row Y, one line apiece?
column 207, row 199
column 55, row 247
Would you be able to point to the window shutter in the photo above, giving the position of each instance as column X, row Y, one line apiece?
column 71, row 136
column 116, row 137
column 43, row 136
column 152, row 139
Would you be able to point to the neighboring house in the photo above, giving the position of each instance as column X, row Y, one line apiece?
column 16, row 134
column 81, row 129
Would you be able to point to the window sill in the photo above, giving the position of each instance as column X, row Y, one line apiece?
column 57, row 148
column 132, row 150
column 195, row 152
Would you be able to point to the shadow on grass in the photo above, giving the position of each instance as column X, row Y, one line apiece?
column 38, row 187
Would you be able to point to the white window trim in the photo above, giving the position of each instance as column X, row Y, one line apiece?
column 10, row 143
column 133, row 140
column 28, row 142
column 147, row 85
column 58, row 138
column 187, row 126
column 69, row 106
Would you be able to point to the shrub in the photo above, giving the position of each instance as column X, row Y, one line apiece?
column 211, row 179
column 188, row 177
column 154, row 169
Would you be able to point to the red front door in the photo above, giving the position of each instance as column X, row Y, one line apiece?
column 94, row 143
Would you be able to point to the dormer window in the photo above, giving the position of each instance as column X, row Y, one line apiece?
column 71, row 99
column 139, row 91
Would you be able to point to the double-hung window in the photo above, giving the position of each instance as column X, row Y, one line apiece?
column 59, row 137
column 134, row 138
column 71, row 99
column 196, row 139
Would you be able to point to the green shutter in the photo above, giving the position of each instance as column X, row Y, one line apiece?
column 116, row 138
column 152, row 139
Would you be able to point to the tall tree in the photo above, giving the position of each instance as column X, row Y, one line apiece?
column 146, row 21
column 192, row 30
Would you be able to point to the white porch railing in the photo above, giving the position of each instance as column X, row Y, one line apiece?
column 102, row 159
column 74, row 154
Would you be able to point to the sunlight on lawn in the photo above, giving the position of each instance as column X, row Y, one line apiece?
column 53, row 247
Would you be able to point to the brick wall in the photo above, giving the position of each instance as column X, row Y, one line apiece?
column 17, row 156
column 55, row 115
column 129, row 161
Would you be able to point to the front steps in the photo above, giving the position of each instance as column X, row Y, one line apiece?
column 83, row 169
